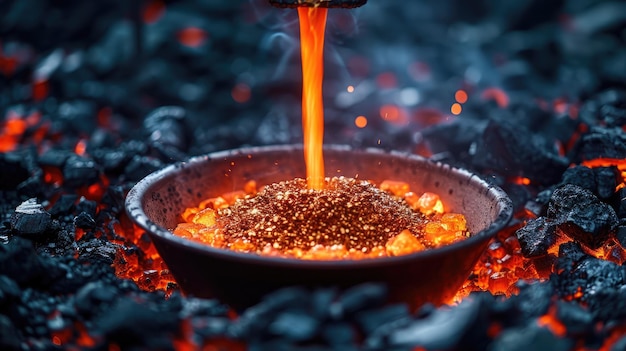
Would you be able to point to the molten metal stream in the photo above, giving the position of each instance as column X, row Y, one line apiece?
column 312, row 28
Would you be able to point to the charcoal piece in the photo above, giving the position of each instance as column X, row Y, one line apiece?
column 588, row 278
column 339, row 335
column 87, row 206
column 20, row 262
column 511, row 150
column 255, row 320
column 601, row 143
column 581, row 176
column 444, row 329
column 10, row 337
column 608, row 304
column 569, row 255
column 111, row 160
column 533, row 299
column 167, row 131
column 113, row 198
column 581, row 215
column 31, row 187
column 607, row 181
column 113, row 50
column 93, row 298
column 31, row 219
column 80, row 171
column 63, row 206
column 77, row 116
column 131, row 324
column 577, row 320
column 608, row 106
column 19, row 172
column 294, row 326
column 455, row 138
column 97, row 250
column 536, row 237
column 84, row 221
column 9, row 291
column 530, row 337
column 196, row 307
column 141, row 166
column 535, row 208
column 372, row 319
column 321, row 300
column 55, row 158
column 359, row 297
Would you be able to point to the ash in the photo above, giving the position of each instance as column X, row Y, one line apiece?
column 349, row 212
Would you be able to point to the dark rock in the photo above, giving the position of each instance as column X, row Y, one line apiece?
column 93, row 298
column 64, row 205
column 607, row 181
column 84, row 221
column 588, row 278
column 129, row 324
column 31, row 219
column 359, row 297
column 581, row 215
column 370, row 320
column 139, row 167
column 442, row 330
column 295, row 326
column 602, row 143
column 339, row 335
column 10, row 337
column 513, row 151
column 536, row 237
column 577, row 319
column 80, row 171
column 531, row 337
column 581, row 176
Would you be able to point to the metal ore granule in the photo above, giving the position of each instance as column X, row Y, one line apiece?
column 288, row 215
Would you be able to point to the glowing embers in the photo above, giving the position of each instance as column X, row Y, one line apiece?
column 348, row 219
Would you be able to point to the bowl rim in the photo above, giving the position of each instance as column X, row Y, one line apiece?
column 135, row 211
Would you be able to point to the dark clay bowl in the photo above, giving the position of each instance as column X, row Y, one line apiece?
column 240, row 280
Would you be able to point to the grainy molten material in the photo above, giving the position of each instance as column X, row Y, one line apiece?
column 346, row 219
column 349, row 212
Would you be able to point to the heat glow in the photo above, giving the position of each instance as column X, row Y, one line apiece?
column 312, row 28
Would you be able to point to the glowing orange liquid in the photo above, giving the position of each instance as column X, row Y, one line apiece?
column 312, row 28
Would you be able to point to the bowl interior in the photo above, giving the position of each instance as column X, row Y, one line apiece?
column 165, row 194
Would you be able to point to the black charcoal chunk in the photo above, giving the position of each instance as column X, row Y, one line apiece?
column 31, row 219
column 9, row 291
column 536, row 237
column 569, row 255
column 20, row 262
column 129, row 324
column 87, row 206
column 294, row 325
column 581, row 215
column 84, row 221
column 167, row 131
column 94, row 297
column 619, row 345
column 581, row 176
column 577, row 319
column 607, row 181
column 602, row 143
column 588, row 278
column 55, row 158
column 141, row 166
column 80, row 171
column 370, row 320
column 512, row 150
column 339, row 335
column 620, row 235
column 64, row 205
column 533, row 299
column 10, row 339
column 531, row 337
column 359, row 297
column 441, row 330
